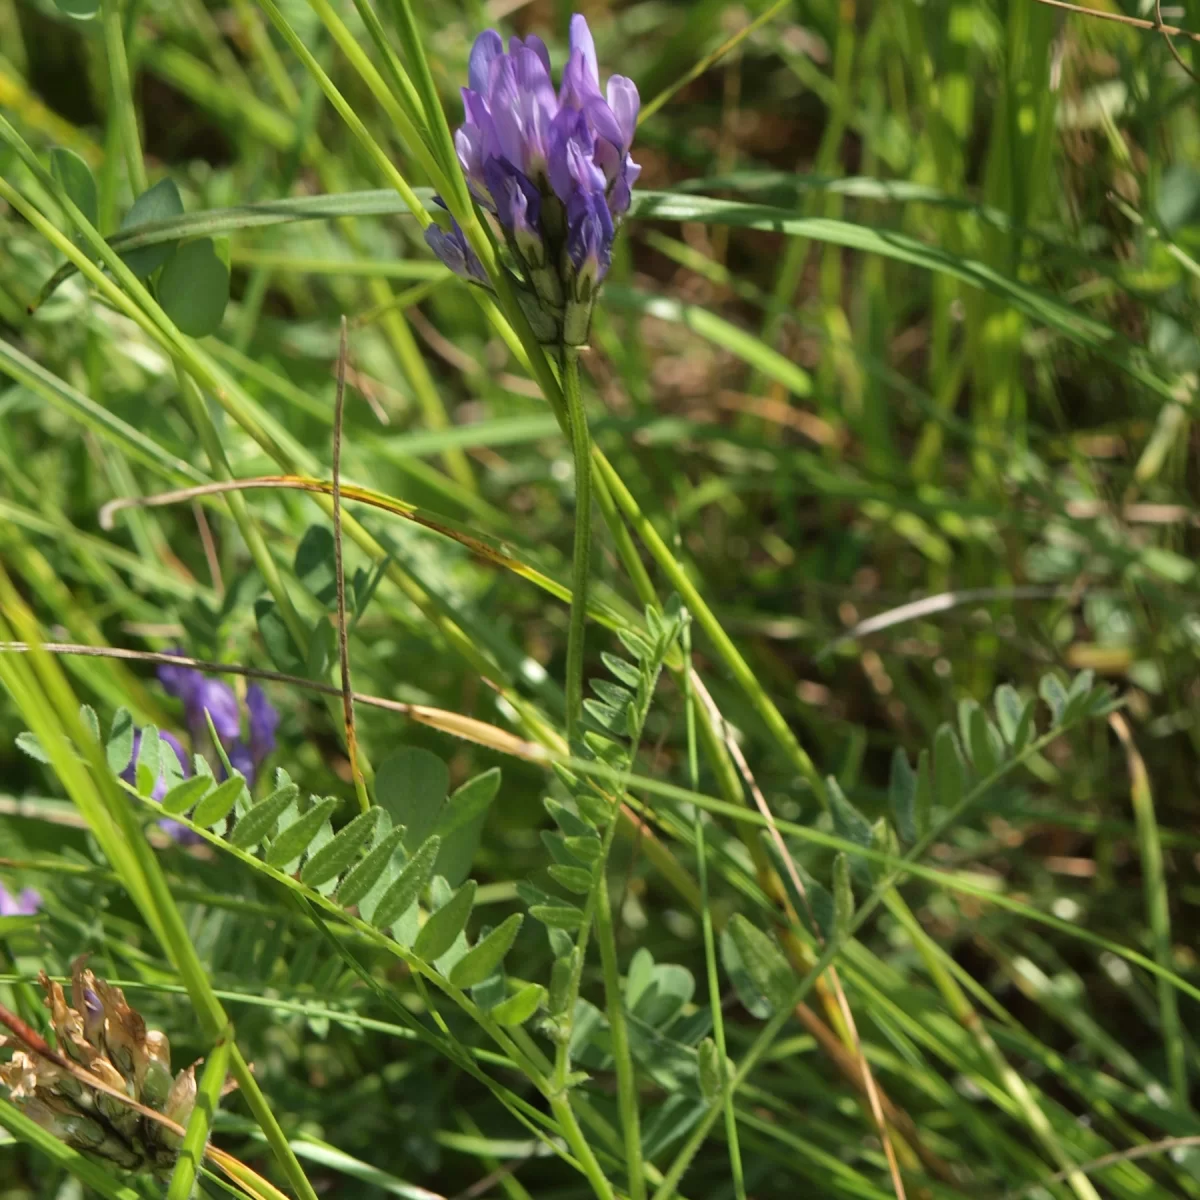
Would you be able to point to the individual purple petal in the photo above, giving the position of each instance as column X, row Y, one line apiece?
column 178, row 681
column 580, row 39
column 23, row 905
column 571, row 166
column 534, row 43
column 589, row 235
column 452, row 248
column 624, row 101
column 620, row 194
column 518, row 202
column 488, row 47
column 264, row 720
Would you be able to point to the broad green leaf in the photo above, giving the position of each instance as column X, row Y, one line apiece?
column 194, row 288
column 520, row 1006
column 363, row 877
column 444, row 925
column 276, row 639
column 332, row 859
column 461, row 823
column 612, row 719
column 183, row 795
column 160, row 203
column 612, row 693
column 219, row 803
column 902, row 795
column 259, row 822
column 314, row 564
column 76, row 179
column 411, row 785
column 481, row 962
column 294, row 840
column 408, row 886
column 119, row 749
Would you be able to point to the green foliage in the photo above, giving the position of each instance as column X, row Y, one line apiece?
column 890, row 380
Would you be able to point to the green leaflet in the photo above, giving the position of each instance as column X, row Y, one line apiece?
column 444, row 925
column 259, row 823
column 481, row 962
column 337, row 856
column 294, row 840
column 363, row 877
column 409, row 885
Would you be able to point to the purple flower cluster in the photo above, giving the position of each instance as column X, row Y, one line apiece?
column 552, row 167
column 201, row 695
column 23, row 905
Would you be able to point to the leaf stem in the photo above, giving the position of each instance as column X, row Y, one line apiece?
column 581, row 447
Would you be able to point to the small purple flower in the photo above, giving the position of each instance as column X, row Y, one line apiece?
column 200, row 695
column 25, row 904
column 453, row 250
column 264, row 720
column 553, row 168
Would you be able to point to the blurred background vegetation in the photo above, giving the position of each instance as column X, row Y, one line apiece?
column 825, row 435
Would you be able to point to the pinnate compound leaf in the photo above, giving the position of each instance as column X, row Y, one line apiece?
column 366, row 874
column 336, row 856
column 159, row 203
column 409, row 884
column 295, row 839
column 411, row 786
column 520, row 1006
column 183, row 795
column 194, row 288
column 762, row 976
column 259, row 822
column 218, row 804
column 481, row 962
column 445, row 924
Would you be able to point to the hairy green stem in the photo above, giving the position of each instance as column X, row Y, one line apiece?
column 581, row 446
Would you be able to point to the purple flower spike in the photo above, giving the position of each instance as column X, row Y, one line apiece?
column 552, row 167
column 24, row 905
